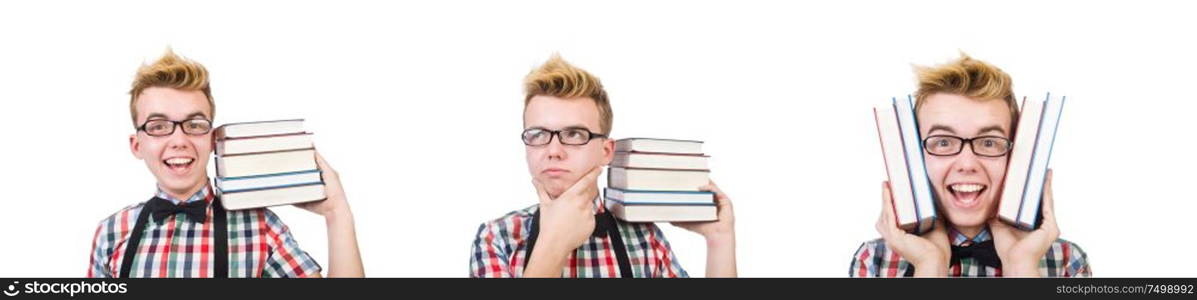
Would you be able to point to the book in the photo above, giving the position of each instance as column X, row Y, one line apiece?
column 660, row 206
column 660, row 160
column 272, row 197
column 268, row 181
column 268, row 163
column 658, row 146
column 660, row 197
column 283, row 161
column 633, row 212
column 902, row 152
column 261, row 144
column 258, row 128
column 920, row 183
column 1026, row 171
column 656, row 179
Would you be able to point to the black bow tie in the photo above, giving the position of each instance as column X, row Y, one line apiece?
column 983, row 252
column 196, row 211
column 603, row 223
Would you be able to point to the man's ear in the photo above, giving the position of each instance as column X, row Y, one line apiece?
column 608, row 150
column 135, row 145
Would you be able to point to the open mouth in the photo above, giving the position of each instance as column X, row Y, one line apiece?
column 966, row 194
column 178, row 164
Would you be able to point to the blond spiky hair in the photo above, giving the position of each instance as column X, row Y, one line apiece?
column 558, row 78
column 967, row 77
column 171, row 71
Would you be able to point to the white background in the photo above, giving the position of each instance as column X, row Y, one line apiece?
column 418, row 106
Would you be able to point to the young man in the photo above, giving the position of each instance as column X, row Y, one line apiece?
column 179, row 236
column 567, row 120
column 966, row 113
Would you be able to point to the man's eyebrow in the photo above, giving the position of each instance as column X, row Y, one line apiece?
column 156, row 115
column 197, row 114
column 189, row 116
column 576, row 127
column 583, row 127
column 991, row 128
column 941, row 127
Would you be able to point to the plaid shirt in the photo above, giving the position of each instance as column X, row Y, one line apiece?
column 873, row 259
column 500, row 246
column 259, row 245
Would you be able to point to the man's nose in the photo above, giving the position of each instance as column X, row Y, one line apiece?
column 178, row 139
column 555, row 149
column 967, row 161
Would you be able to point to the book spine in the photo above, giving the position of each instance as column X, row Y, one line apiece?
column 634, row 152
column 920, row 185
column 224, row 138
column 268, row 152
column 260, row 122
column 1033, row 197
column 275, row 187
column 892, row 155
column 267, row 175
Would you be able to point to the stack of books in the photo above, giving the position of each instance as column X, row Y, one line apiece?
column 902, row 149
column 1022, row 190
column 657, row 180
column 268, row 163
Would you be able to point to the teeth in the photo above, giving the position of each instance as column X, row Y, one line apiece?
column 967, row 187
column 178, row 161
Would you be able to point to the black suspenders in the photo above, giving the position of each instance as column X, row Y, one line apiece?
column 221, row 237
column 621, row 252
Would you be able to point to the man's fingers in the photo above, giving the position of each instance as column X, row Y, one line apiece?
column 540, row 193
column 889, row 227
column 1049, row 201
column 586, row 184
column 721, row 199
column 887, row 205
column 1001, row 231
column 939, row 234
column 326, row 170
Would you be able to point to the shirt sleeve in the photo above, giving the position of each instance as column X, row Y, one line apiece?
column 490, row 252
column 286, row 259
column 860, row 266
column 101, row 250
column 1075, row 263
column 667, row 265
column 873, row 259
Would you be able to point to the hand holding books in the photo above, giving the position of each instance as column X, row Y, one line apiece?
column 724, row 227
column 266, row 163
column 566, row 222
column 930, row 253
column 1021, row 251
column 335, row 203
column 659, row 180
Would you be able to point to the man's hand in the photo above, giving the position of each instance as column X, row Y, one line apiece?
column 565, row 223
column 720, row 235
column 1021, row 251
column 344, row 258
column 930, row 254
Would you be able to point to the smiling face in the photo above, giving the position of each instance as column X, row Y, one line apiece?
column 966, row 184
column 179, row 161
column 557, row 166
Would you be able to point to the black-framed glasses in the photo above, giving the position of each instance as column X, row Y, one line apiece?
column 569, row 136
column 947, row 145
column 163, row 127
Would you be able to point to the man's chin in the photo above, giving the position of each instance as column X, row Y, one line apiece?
column 180, row 184
column 967, row 219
